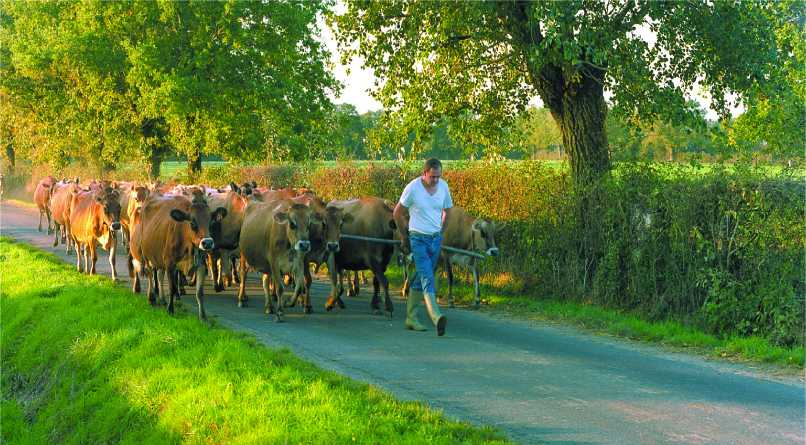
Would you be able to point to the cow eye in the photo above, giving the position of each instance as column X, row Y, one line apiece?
column 194, row 225
column 293, row 225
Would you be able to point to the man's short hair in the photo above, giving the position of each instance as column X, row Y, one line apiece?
column 432, row 163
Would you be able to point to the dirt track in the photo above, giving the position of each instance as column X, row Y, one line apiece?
column 537, row 383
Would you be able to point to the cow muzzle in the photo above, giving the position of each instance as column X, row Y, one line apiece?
column 492, row 251
column 332, row 246
column 206, row 244
column 303, row 246
column 115, row 226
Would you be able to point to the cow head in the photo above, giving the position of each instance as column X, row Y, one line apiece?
column 109, row 199
column 297, row 221
column 201, row 222
column 483, row 233
column 334, row 219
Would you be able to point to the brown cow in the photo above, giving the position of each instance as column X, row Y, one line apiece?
column 172, row 234
column 60, row 201
column 95, row 219
column 130, row 201
column 274, row 240
column 370, row 217
column 227, row 234
column 325, row 242
column 466, row 232
column 44, row 188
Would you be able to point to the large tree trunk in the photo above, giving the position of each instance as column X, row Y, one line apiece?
column 12, row 158
column 194, row 164
column 155, row 163
column 579, row 108
column 582, row 123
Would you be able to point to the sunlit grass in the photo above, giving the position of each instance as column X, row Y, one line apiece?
column 86, row 361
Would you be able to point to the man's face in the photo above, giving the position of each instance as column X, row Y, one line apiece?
column 431, row 177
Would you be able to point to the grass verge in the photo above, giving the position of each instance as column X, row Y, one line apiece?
column 624, row 324
column 86, row 361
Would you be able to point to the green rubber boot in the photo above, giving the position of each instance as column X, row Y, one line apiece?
column 412, row 304
column 437, row 318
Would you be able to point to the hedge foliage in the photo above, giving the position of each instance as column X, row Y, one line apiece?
column 721, row 247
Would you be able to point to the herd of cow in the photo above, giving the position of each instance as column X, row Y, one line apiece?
column 175, row 234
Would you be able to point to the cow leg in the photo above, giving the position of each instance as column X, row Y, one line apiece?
column 216, row 270
column 477, row 293
column 354, row 288
column 268, row 307
column 93, row 248
column 449, row 271
column 170, row 276
column 278, row 293
column 57, row 235
column 78, row 262
column 235, row 275
column 134, row 275
column 364, row 280
column 380, row 279
column 39, row 227
column 153, row 286
column 336, row 284
column 163, row 286
column 50, row 222
column 308, row 280
column 242, row 285
column 113, row 259
column 375, row 305
column 201, row 271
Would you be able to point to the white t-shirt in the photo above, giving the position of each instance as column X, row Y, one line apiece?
column 425, row 209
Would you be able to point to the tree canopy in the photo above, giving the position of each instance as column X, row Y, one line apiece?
column 484, row 61
column 244, row 80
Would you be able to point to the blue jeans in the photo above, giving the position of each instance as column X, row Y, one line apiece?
column 425, row 250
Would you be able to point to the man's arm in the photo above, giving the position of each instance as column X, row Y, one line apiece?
column 399, row 215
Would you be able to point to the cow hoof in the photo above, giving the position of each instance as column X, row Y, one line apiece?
column 278, row 318
column 308, row 309
column 328, row 307
column 242, row 303
column 219, row 287
column 341, row 304
column 376, row 311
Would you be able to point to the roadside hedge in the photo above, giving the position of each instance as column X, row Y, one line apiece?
column 717, row 246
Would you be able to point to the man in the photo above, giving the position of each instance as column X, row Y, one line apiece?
column 428, row 201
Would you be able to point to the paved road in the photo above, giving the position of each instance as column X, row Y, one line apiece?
column 537, row 383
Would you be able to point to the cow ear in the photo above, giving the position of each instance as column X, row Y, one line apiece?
column 179, row 215
column 477, row 224
column 254, row 184
column 234, row 187
column 219, row 214
column 281, row 217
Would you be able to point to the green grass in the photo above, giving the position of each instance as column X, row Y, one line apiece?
column 622, row 324
column 86, row 361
